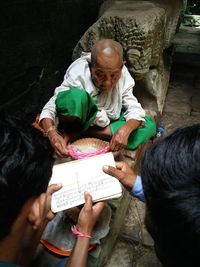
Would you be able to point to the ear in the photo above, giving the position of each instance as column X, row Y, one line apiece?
column 37, row 211
column 123, row 63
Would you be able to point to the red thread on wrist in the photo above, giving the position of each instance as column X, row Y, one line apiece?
column 79, row 234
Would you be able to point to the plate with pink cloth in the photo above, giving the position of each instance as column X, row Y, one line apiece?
column 87, row 147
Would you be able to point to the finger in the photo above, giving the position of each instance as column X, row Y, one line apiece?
column 58, row 150
column 98, row 207
column 120, row 165
column 88, row 201
column 114, row 172
column 112, row 144
column 116, row 145
column 64, row 149
column 113, row 147
column 58, row 153
column 53, row 188
column 122, row 146
column 61, row 149
column 116, row 148
column 61, row 153
column 65, row 154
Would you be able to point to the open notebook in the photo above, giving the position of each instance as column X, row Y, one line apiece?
column 83, row 175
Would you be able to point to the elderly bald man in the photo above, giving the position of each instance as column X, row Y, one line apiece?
column 96, row 99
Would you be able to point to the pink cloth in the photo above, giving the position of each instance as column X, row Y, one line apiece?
column 78, row 155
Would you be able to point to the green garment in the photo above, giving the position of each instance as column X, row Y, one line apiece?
column 140, row 135
column 78, row 103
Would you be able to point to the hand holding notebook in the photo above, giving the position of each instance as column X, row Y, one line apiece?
column 83, row 175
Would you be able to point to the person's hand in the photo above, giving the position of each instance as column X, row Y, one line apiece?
column 59, row 143
column 51, row 189
column 119, row 139
column 89, row 214
column 123, row 173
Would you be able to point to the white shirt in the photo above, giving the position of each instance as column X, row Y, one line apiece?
column 109, row 104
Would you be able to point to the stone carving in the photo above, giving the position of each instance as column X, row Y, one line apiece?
column 146, row 30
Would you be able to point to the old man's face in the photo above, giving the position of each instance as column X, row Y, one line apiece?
column 105, row 72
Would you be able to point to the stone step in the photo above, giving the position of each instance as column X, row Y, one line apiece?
column 187, row 40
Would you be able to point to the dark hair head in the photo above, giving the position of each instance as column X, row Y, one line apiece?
column 171, row 180
column 26, row 159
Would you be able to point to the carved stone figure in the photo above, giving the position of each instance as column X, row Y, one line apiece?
column 146, row 30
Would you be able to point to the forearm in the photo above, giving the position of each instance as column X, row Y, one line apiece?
column 130, row 126
column 57, row 141
column 79, row 254
column 86, row 222
column 46, row 123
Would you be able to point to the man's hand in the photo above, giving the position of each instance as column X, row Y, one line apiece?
column 89, row 215
column 86, row 221
column 51, row 189
column 123, row 173
column 58, row 143
column 119, row 139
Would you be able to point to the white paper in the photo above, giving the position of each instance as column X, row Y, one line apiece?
column 83, row 175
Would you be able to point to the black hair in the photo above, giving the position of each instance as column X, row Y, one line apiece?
column 171, row 181
column 26, row 160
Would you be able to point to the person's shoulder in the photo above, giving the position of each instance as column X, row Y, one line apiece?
column 125, row 71
column 80, row 63
column 85, row 57
column 126, row 79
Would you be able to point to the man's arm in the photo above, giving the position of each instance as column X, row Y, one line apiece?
column 48, row 114
column 86, row 221
column 57, row 141
column 137, row 189
column 47, row 122
column 133, row 113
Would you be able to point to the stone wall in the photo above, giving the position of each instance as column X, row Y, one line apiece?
column 37, row 39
